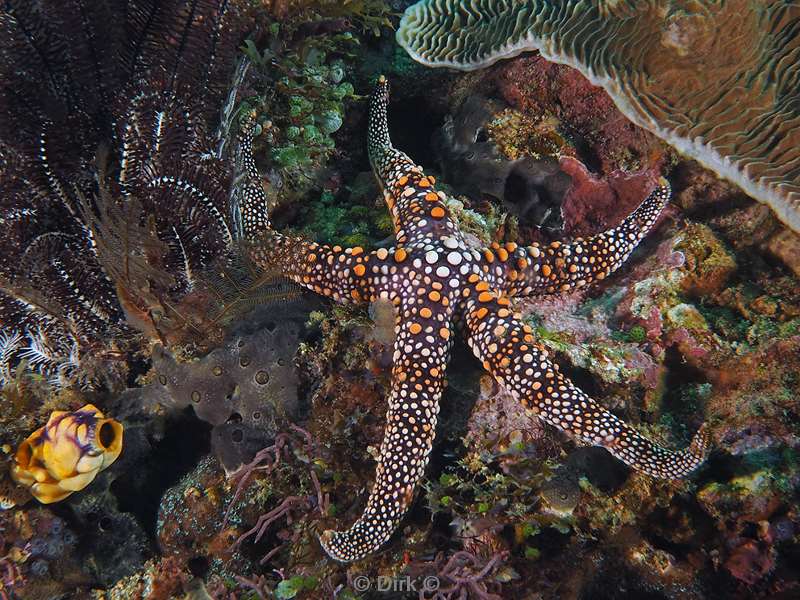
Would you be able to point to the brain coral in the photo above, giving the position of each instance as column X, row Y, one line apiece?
column 717, row 79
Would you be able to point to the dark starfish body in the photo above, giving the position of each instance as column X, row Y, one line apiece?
column 435, row 280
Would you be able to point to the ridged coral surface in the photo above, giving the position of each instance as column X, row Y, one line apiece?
column 718, row 80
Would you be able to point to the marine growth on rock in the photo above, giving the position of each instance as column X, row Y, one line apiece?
column 435, row 280
column 717, row 80
column 172, row 172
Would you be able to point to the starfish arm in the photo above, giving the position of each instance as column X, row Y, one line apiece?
column 418, row 211
column 344, row 274
column 508, row 351
column 250, row 210
column 561, row 267
column 421, row 351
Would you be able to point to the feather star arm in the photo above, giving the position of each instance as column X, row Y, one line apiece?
column 508, row 351
column 421, row 351
column 561, row 267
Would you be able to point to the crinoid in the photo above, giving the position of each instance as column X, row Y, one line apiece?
column 113, row 197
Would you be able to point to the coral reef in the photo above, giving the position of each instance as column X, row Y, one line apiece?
column 557, row 125
column 602, row 137
column 476, row 292
column 246, row 388
column 532, row 188
column 681, row 74
column 125, row 167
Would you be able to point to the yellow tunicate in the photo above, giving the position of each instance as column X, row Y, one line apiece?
column 67, row 453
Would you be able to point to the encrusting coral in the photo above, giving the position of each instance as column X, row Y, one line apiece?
column 66, row 454
column 716, row 80
column 434, row 279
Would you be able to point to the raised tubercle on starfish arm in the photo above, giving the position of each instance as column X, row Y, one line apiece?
column 509, row 352
column 421, row 351
column 561, row 267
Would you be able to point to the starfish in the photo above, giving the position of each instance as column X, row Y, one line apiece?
column 439, row 284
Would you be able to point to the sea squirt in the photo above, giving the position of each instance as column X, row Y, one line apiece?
column 67, row 453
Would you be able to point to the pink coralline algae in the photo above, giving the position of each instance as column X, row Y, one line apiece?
column 594, row 203
column 534, row 85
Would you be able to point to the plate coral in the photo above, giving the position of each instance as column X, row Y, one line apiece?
column 716, row 80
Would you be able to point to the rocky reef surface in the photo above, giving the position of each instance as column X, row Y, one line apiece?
column 253, row 413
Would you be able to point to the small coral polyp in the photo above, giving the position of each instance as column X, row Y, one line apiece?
column 67, row 453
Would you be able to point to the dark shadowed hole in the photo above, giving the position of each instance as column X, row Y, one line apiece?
column 516, row 188
column 581, row 377
column 136, row 367
column 106, row 434
column 412, row 120
column 235, row 418
column 105, row 524
column 237, row 435
column 586, row 152
column 198, row 566
column 185, row 441
column 660, row 526
column 598, row 466
column 681, row 399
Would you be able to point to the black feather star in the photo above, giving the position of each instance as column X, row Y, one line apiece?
column 114, row 204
